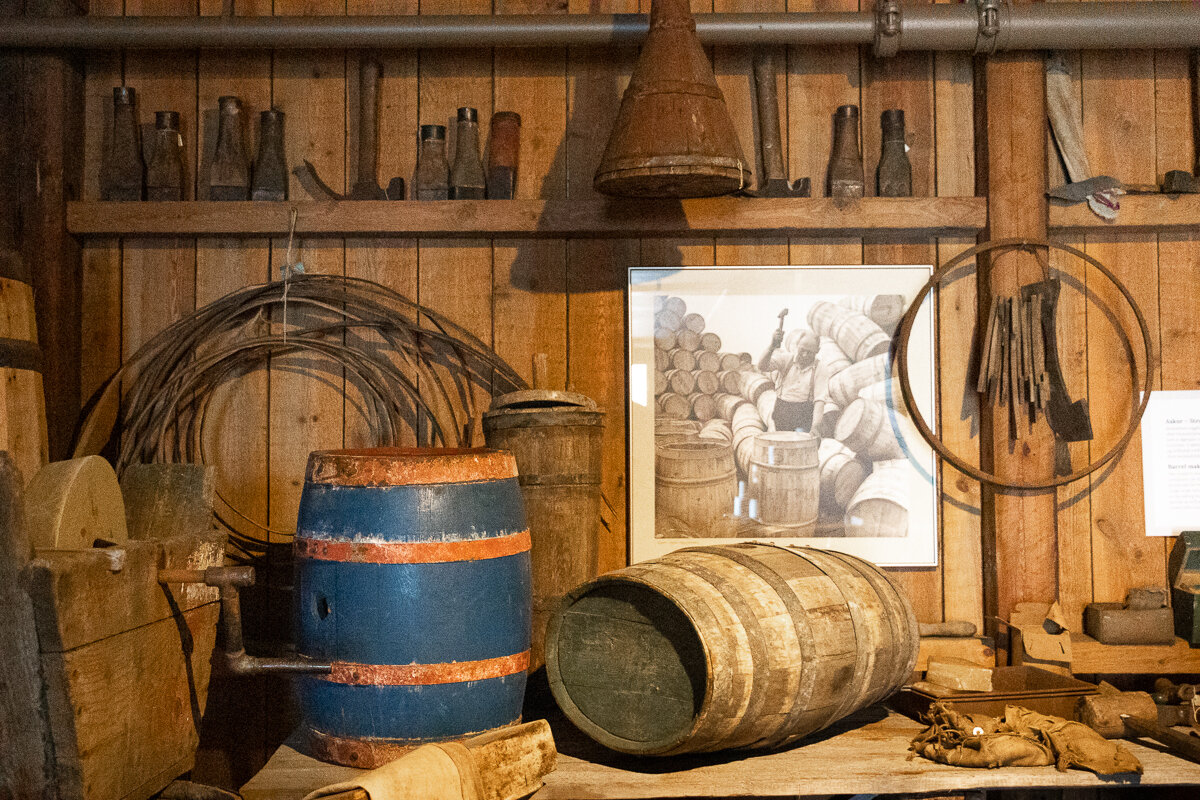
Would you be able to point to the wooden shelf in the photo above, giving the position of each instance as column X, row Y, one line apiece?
column 520, row 219
column 1148, row 213
column 1089, row 656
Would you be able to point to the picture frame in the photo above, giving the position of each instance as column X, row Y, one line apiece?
column 751, row 423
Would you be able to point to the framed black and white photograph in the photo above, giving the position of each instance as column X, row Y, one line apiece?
column 764, row 407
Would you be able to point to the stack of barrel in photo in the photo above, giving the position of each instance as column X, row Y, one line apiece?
column 714, row 452
column 698, row 391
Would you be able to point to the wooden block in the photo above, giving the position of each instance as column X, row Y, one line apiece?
column 958, row 673
column 125, row 711
column 976, row 650
column 78, row 599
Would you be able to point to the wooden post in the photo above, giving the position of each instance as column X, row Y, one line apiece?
column 1020, row 534
column 51, row 174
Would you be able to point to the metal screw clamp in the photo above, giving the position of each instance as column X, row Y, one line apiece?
column 889, row 20
column 993, row 18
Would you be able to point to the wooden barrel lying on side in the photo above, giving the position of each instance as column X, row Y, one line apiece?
column 754, row 384
column 785, row 480
column 727, row 404
column 664, row 338
column 660, row 383
column 704, row 407
column 841, row 475
column 687, row 339
column 885, row 310
column 676, row 406
column 731, row 381
column 413, row 578
column 708, row 361
column 675, row 305
column 680, row 381
column 667, row 430
column 706, row 382
column 880, row 506
column 694, row 322
column 694, row 487
column 555, row 438
column 864, row 428
column 682, row 359
column 736, row 646
column 857, row 336
column 668, row 319
column 731, row 361
column 766, row 406
column 711, row 342
column 845, row 385
column 716, row 429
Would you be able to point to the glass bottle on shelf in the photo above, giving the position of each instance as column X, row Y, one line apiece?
column 466, row 176
column 123, row 173
column 893, row 178
column 270, row 169
column 164, row 173
column 433, row 171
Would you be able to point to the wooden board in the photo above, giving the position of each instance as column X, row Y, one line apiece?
column 588, row 217
column 864, row 754
column 1140, row 213
column 1091, row 657
column 977, row 650
column 125, row 710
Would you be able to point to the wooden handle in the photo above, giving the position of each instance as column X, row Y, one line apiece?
column 368, row 120
column 768, row 115
column 953, row 628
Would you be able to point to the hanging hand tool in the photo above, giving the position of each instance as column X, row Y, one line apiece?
column 1069, row 421
column 366, row 185
column 774, row 182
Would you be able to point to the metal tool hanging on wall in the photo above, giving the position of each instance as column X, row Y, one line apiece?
column 774, row 181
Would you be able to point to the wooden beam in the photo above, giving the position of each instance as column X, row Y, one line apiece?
column 921, row 217
column 1020, row 555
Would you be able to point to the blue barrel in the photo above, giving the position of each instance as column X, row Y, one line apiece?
column 413, row 578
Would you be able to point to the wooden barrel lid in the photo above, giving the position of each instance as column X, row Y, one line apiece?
column 402, row 466
column 542, row 400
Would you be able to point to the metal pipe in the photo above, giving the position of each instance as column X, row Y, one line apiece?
column 1102, row 25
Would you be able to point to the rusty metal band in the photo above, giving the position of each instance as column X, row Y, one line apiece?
column 412, row 552
column 349, row 672
column 403, row 466
column 20, row 354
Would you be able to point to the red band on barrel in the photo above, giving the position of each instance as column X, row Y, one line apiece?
column 427, row 674
column 413, row 552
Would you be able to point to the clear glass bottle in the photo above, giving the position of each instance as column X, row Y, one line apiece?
column 270, row 169
column 845, row 163
column 229, row 177
column 164, row 173
column 433, row 171
column 893, row 178
column 123, row 173
column 466, row 176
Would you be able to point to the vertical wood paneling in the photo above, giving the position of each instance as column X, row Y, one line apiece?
column 530, row 277
column 390, row 262
column 596, row 270
column 1119, row 134
column 961, row 551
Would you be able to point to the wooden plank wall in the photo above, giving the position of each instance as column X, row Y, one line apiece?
column 566, row 298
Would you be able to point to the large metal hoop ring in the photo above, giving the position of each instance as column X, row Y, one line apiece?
column 910, row 316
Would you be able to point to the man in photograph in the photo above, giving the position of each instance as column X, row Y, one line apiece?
column 800, row 390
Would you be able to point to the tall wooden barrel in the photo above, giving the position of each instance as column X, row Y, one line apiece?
column 556, row 440
column 880, row 506
column 864, row 427
column 786, row 481
column 694, row 487
column 413, row 578
column 22, row 400
column 737, row 646
column 857, row 336
column 845, row 385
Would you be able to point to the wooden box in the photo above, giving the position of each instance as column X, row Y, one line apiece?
column 126, row 662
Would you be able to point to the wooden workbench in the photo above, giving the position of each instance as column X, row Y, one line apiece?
column 864, row 754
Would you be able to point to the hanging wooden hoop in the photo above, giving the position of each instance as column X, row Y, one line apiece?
column 1029, row 245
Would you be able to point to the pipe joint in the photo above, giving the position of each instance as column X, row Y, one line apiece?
column 889, row 25
column 993, row 19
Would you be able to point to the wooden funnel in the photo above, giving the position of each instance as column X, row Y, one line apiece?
column 673, row 136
